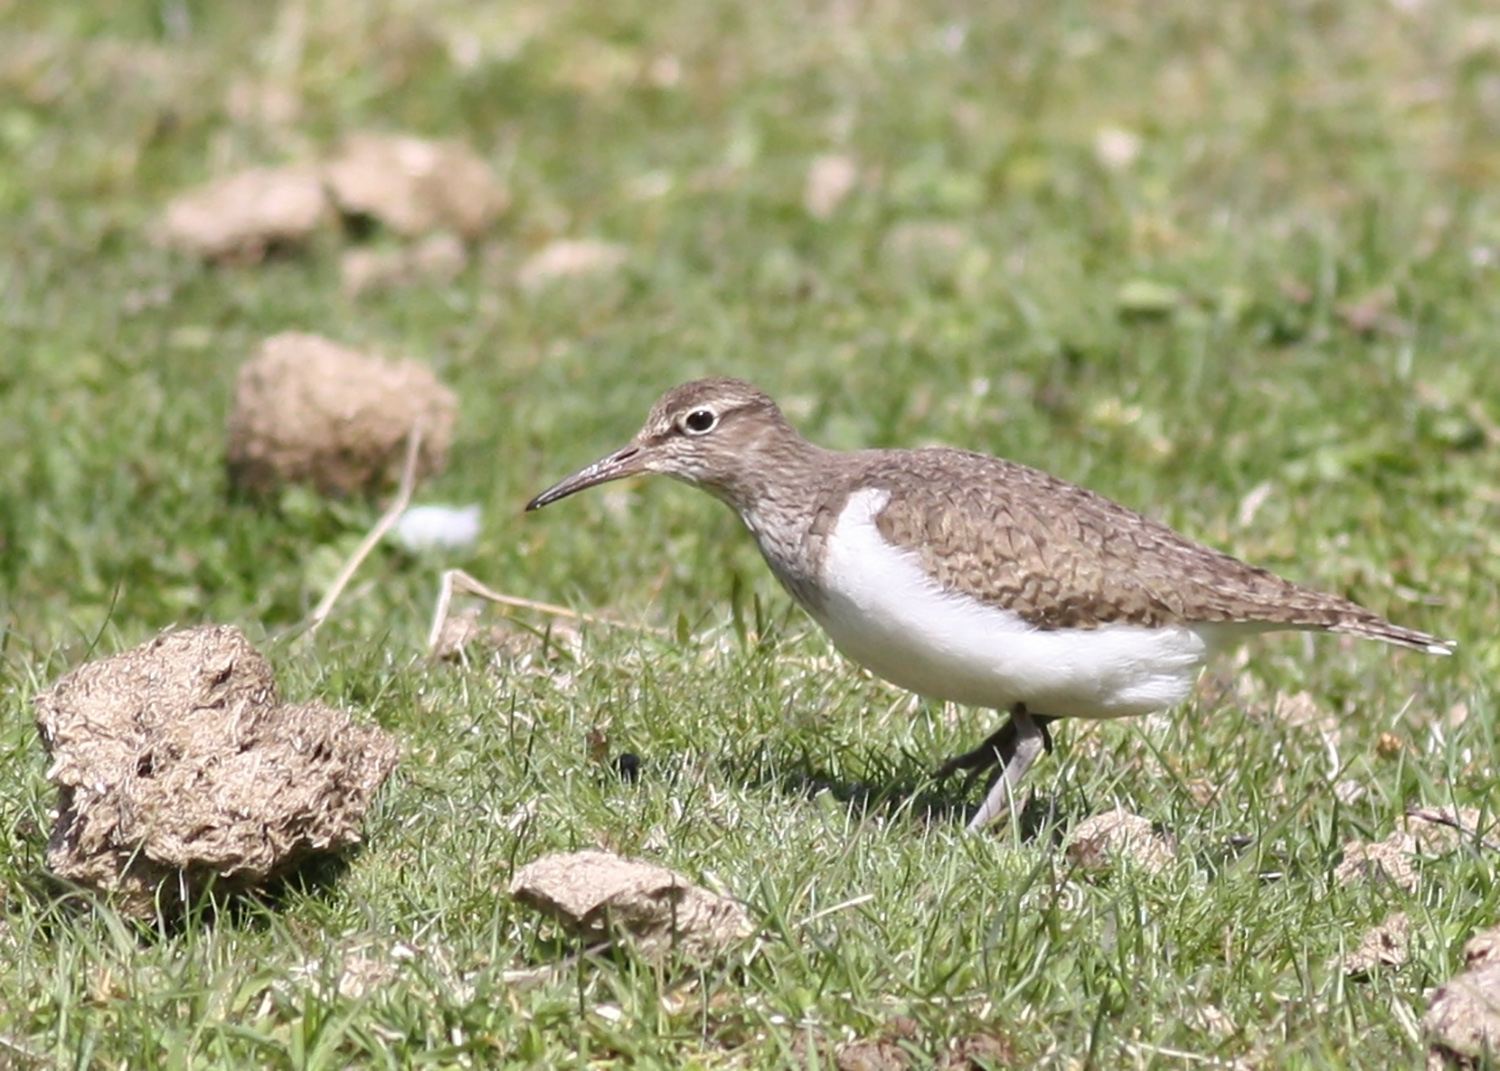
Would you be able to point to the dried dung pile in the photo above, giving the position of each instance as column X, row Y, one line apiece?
column 179, row 767
column 307, row 410
column 413, row 187
column 1462, row 1024
column 248, row 215
column 1110, row 838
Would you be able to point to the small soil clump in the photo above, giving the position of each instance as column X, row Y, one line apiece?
column 1105, row 839
column 599, row 896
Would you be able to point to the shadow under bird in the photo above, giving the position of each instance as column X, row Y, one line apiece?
column 973, row 579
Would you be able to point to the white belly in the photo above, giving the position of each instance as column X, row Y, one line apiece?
column 882, row 610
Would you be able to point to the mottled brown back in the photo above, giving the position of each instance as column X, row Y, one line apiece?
column 1064, row 557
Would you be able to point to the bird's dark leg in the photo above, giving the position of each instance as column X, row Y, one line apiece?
column 995, row 750
column 997, row 747
column 1013, row 747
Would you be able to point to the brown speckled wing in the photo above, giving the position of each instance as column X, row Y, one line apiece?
column 1064, row 557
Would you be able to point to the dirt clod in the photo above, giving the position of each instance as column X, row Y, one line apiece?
column 569, row 259
column 930, row 253
column 600, row 896
column 830, row 179
column 309, row 411
column 1388, row 860
column 460, row 631
column 1388, row 945
column 1483, row 950
column 876, row 1055
column 979, row 1052
column 244, row 216
column 178, row 766
column 1301, row 711
column 1462, row 1024
column 1105, row 839
column 464, row 635
column 438, row 258
column 1389, row 745
column 1439, row 830
column 414, row 186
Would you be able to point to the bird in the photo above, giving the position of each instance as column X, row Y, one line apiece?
column 972, row 579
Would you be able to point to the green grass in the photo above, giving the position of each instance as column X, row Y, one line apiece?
column 1313, row 223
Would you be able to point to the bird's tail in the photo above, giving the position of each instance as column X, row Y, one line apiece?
column 1375, row 627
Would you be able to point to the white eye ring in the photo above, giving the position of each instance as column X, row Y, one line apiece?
column 700, row 422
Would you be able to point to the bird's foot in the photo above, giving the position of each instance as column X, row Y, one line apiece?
column 1028, row 739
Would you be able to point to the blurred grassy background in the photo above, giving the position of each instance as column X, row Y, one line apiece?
column 1232, row 265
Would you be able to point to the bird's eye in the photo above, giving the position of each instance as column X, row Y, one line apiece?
column 699, row 421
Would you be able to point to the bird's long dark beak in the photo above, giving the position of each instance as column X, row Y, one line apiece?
column 627, row 461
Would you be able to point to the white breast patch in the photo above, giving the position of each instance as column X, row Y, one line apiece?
column 882, row 610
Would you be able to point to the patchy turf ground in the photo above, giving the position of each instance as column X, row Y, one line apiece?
column 1234, row 265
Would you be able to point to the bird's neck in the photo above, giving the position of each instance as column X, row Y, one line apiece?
column 784, row 490
column 775, row 474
